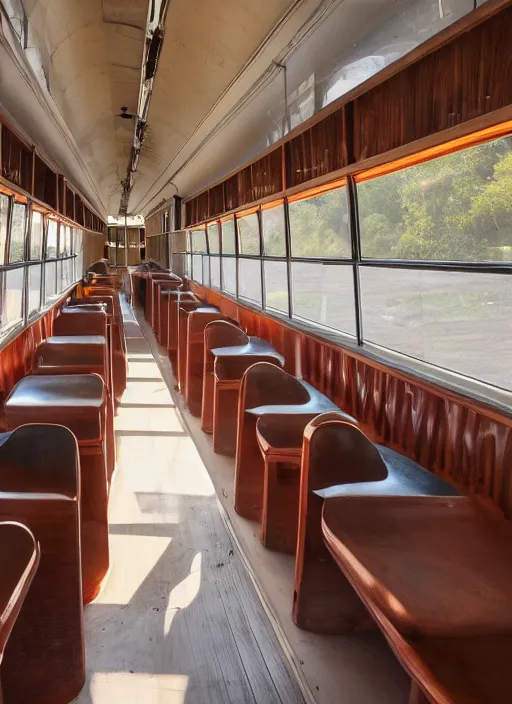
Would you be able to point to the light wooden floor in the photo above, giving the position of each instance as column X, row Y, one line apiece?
column 356, row 669
column 179, row 620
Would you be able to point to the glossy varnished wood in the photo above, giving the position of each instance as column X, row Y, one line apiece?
column 77, row 401
column 40, row 486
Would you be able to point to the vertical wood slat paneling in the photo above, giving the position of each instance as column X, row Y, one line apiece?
column 466, row 78
column 451, row 436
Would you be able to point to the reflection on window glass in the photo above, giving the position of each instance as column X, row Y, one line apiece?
column 51, row 239
column 229, row 275
column 456, row 320
column 324, row 294
column 228, row 236
column 206, row 271
column 11, row 308
column 213, row 238
column 4, row 214
column 19, row 218
column 276, row 285
column 456, row 207
column 198, row 238
column 50, row 280
column 250, row 279
column 197, row 268
column 215, row 271
column 34, row 288
column 319, row 226
column 248, row 234
column 36, row 236
column 273, row 228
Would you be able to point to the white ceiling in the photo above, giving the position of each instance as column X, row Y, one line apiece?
column 217, row 90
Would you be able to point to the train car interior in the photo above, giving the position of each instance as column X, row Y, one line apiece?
column 255, row 352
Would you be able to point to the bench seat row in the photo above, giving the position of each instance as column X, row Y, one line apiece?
column 57, row 463
column 377, row 539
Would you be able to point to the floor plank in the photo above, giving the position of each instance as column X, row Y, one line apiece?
column 179, row 620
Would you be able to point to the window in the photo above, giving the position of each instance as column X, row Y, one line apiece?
column 64, row 275
column 248, row 233
column 78, row 249
column 11, row 305
column 4, row 222
column 198, row 239
column 197, row 268
column 34, row 288
column 229, row 275
column 50, row 281
column 456, row 320
column 65, row 241
column 324, row 294
column 274, row 230
column 250, row 279
column 215, row 271
column 36, row 236
column 213, row 238
column 276, row 286
column 319, row 225
column 228, row 236
column 18, row 227
column 188, row 266
column 453, row 208
column 206, row 271
column 51, row 239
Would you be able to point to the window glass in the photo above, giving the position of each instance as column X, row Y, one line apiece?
column 188, row 265
column 228, row 236
column 319, row 225
column 215, row 271
column 36, row 236
column 64, row 272
column 4, row 214
column 34, row 288
column 206, row 271
column 456, row 320
column 273, row 228
column 17, row 246
column 51, row 239
column 250, row 279
column 453, row 208
column 276, row 286
column 50, row 280
column 198, row 240
column 248, row 234
column 324, row 294
column 11, row 309
column 197, row 268
column 229, row 275
column 213, row 238
column 64, row 241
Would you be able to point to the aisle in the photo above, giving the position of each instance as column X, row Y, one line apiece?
column 178, row 621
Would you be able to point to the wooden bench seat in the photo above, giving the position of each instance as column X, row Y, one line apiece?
column 159, row 285
column 338, row 459
column 81, row 354
column 192, row 321
column 175, row 300
column 152, row 283
column 435, row 573
column 230, row 365
column 78, row 402
column 119, row 362
column 19, row 557
column 44, row 661
column 266, row 389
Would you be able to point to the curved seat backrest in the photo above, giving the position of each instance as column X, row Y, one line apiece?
column 267, row 384
column 340, row 453
column 36, row 458
column 19, row 557
column 222, row 333
column 79, row 321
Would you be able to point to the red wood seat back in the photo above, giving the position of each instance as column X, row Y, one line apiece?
column 44, row 659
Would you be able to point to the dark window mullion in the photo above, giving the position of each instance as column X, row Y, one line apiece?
column 355, row 237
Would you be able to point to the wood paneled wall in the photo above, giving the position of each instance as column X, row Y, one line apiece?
column 453, row 436
column 461, row 75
